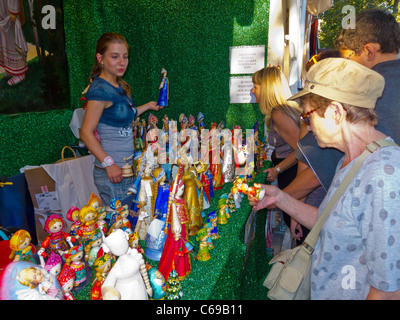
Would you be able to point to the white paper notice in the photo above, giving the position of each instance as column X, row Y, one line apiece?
column 240, row 90
column 48, row 201
column 247, row 59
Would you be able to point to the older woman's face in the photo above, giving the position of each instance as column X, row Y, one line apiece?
column 324, row 128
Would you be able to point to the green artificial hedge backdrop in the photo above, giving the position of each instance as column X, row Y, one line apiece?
column 190, row 39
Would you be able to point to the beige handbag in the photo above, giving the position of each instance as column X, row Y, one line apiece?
column 289, row 277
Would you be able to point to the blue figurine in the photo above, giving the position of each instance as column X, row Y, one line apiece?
column 164, row 89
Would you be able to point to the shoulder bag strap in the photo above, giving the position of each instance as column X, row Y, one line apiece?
column 312, row 237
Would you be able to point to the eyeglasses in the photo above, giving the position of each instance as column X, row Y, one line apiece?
column 305, row 117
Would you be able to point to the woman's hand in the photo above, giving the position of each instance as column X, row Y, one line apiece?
column 296, row 230
column 270, row 198
column 114, row 173
column 272, row 174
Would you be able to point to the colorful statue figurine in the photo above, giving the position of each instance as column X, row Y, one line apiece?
column 215, row 158
column 200, row 120
column 93, row 246
column 73, row 216
column 53, row 264
column 202, row 236
column 88, row 218
column 115, row 223
column 128, row 278
column 157, row 283
column 102, row 265
column 73, row 259
column 101, row 220
column 175, row 251
column 164, row 89
column 193, row 199
column 155, row 237
column 23, row 280
column 66, row 280
column 57, row 239
column 20, row 245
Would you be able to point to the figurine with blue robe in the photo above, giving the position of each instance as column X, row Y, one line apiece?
column 164, row 89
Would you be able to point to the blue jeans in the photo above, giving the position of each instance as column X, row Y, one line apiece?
column 108, row 190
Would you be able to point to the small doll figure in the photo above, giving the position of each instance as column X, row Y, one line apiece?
column 94, row 243
column 203, row 254
column 57, row 239
column 164, row 89
column 102, row 265
column 73, row 216
column 209, row 227
column 212, row 218
column 124, row 213
column 115, row 223
column 152, row 122
column 53, row 264
column 133, row 240
column 157, row 282
column 41, row 285
column 142, row 223
column 20, row 245
column 66, row 280
column 165, row 121
column 221, row 216
column 88, row 218
column 184, row 121
column 74, row 258
column 200, row 120
column 101, row 222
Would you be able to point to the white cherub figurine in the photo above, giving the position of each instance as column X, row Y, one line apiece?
column 128, row 279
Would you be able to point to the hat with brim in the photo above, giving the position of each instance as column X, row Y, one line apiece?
column 344, row 81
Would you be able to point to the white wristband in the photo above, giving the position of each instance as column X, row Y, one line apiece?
column 278, row 170
column 108, row 162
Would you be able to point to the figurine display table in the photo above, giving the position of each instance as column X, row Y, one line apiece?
column 224, row 276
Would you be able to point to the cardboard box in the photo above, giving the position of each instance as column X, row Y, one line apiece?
column 42, row 190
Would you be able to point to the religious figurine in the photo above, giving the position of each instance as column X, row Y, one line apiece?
column 155, row 237
column 202, row 236
column 175, row 251
column 201, row 170
column 128, row 278
column 191, row 121
column 193, row 199
column 212, row 218
column 165, row 121
column 20, row 245
column 184, row 121
column 73, row 216
column 200, row 120
column 102, row 265
column 57, row 239
column 228, row 163
column 66, row 280
column 143, row 133
column 164, row 89
column 73, row 259
column 215, row 158
column 142, row 222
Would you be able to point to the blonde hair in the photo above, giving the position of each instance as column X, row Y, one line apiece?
column 16, row 240
column 274, row 92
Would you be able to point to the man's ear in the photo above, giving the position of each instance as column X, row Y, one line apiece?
column 371, row 50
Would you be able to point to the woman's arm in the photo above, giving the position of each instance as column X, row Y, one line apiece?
column 152, row 105
column 303, row 213
column 287, row 129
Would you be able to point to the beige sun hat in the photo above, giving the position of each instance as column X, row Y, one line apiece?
column 344, row 81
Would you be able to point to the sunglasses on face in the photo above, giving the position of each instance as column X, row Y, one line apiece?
column 305, row 117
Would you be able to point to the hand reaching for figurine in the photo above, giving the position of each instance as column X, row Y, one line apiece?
column 272, row 174
column 268, row 201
